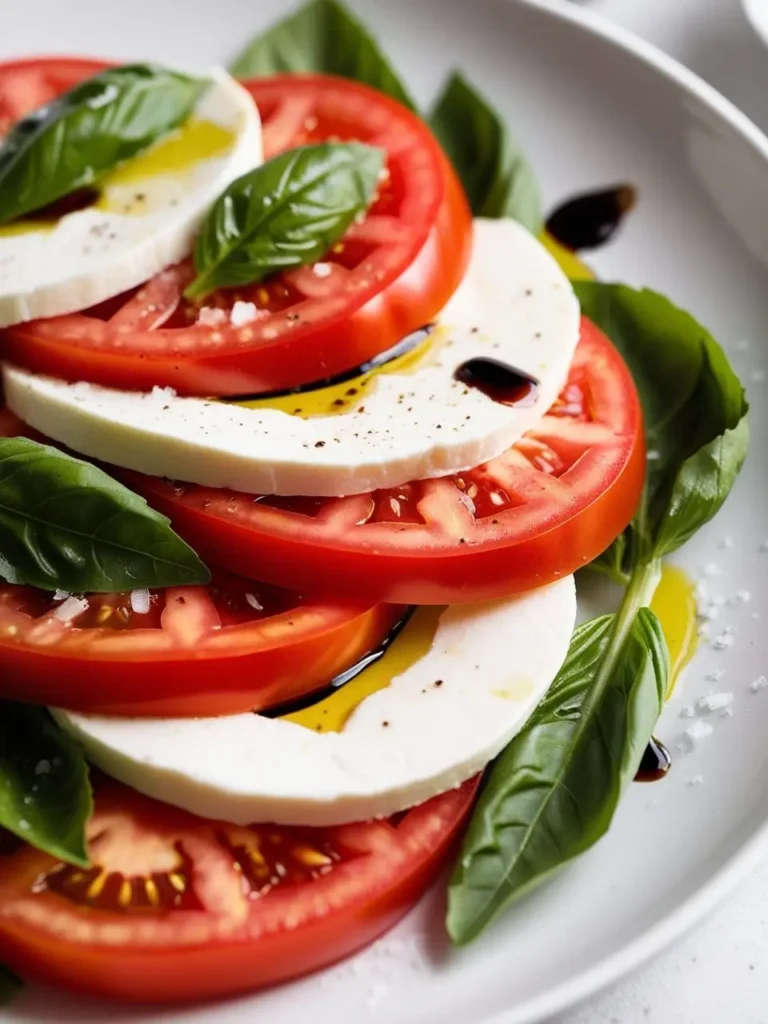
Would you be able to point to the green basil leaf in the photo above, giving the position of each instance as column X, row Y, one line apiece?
column 45, row 796
column 495, row 173
column 9, row 985
column 284, row 214
column 66, row 525
column 694, row 406
column 553, row 792
column 77, row 138
column 325, row 37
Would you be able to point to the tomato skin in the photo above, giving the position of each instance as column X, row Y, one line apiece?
column 304, row 649
column 282, row 549
column 40, row 942
column 390, row 300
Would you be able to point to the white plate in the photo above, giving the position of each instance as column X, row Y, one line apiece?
column 592, row 106
column 757, row 12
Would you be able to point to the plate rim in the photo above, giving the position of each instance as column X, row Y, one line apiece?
column 712, row 892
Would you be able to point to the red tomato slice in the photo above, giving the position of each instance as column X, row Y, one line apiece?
column 227, row 648
column 28, row 84
column 541, row 510
column 177, row 909
column 392, row 273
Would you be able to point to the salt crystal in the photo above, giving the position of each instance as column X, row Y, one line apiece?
column 24, row 824
column 140, row 601
column 726, row 542
column 322, row 269
column 715, row 676
column 711, row 569
column 160, row 396
column 743, row 596
column 699, row 731
column 696, row 780
column 715, row 701
column 243, row 313
column 688, row 711
column 761, row 683
column 42, row 767
column 254, row 602
column 70, row 609
column 211, row 316
column 724, row 641
column 61, row 595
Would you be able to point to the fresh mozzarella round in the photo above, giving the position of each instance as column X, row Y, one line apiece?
column 147, row 215
column 514, row 306
column 436, row 724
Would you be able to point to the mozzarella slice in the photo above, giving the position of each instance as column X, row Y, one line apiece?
column 146, row 218
column 515, row 305
column 436, row 724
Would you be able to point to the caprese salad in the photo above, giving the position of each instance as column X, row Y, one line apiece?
column 307, row 427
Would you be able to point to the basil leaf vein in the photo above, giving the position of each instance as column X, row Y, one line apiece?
column 285, row 214
column 497, row 178
column 325, row 37
column 76, row 139
column 553, row 792
column 45, row 795
column 695, row 414
column 66, row 525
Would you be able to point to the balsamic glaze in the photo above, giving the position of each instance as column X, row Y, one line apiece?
column 498, row 381
column 309, row 699
column 405, row 345
column 656, row 762
column 590, row 220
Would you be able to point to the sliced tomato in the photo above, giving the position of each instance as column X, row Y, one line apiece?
column 28, row 84
column 223, row 649
column 392, row 273
column 541, row 510
column 177, row 909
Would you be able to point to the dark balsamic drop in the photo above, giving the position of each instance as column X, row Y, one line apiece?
column 590, row 220
column 656, row 762
column 498, row 381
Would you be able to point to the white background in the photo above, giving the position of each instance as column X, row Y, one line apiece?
column 719, row 973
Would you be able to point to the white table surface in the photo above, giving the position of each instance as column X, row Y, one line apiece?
column 719, row 973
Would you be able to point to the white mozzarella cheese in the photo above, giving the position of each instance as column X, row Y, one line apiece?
column 435, row 725
column 147, row 216
column 515, row 306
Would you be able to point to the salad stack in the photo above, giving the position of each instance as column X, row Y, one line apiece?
column 308, row 426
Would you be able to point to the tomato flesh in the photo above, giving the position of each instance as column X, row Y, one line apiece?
column 178, row 909
column 541, row 510
column 227, row 648
column 392, row 272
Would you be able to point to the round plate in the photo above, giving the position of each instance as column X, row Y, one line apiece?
column 757, row 12
column 592, row 106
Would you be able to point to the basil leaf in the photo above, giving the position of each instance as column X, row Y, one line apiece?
column 694, row 407
column 66, row 525
column 553, row 792
column 284, row 214
column 77, row 138
column 9, row 985
column 495, row 173
column 45, row 796
column 325, row 37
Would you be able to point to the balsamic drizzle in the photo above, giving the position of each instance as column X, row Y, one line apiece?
column 405, row 345
column 590, row 220
column 309, row 699
column 656, row 762
column 498, row 381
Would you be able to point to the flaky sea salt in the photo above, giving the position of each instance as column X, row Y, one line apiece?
column 688, row 711
column 761, row 683
column 254, row 602
column 243, row 313
column 140, row 601
column 724, row 641
column 715, row 701
column 211, row 316
column 70, row 609
column 699, row 731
